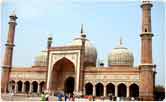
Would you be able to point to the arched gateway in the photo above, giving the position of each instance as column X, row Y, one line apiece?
column 63, row 76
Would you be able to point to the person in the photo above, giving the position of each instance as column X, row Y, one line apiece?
column 46, row 97
column 90, row 98
column 132, row 99
column 102, row 97
column 42, row 97
column 118, row 99
column 71, row 98
column 60, row 97
column 66, row 97
column 93, row 98
column 110, row 96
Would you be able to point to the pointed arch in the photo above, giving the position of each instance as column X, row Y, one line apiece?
column 61, row 69
column 110, row 89
column 63, row 62
column 19, row 86
column 42, row 85
column 122, row 90
column 99, row 89
column 27, row 86
column 134, row 90
column 88, row 89
column 34, row 86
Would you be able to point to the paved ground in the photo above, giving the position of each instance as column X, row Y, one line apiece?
column 8, row 97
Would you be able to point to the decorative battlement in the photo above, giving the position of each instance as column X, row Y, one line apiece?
column 147, row 2
column 147, row 33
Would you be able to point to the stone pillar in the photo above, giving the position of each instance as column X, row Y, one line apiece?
column 8, row 56
column 116, row 90
column 23, row 87
column 84, row 93
column 94, row 90
column 105, row 91
column 48, row 84
column 15, row 87
column 38, row 88
column 30, row 89
column 128, row 91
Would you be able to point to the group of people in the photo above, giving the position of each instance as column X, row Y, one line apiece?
column 58, row 97
column 71, row 97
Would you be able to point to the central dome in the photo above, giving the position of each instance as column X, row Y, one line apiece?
column 41, row 59
column 120, row 56
column 90, row 51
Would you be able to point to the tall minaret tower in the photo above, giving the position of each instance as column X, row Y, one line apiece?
column 146, row 66
column 82, row 55
column 7, row 64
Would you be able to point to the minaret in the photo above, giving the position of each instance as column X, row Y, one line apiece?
column 82, row 54
column 7, row 64
column 146, row 66
column 49, row 43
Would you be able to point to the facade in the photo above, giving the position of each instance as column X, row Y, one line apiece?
column 72, row 68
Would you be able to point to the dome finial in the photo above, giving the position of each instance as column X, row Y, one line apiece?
column 120, row 41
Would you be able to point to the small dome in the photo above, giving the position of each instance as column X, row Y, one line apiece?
column 90, row 51
column 41, row 59
column 120, row 56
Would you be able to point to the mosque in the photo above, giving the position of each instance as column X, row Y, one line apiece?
column 72, row 68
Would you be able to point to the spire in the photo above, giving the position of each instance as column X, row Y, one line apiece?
column 13, row 13
column 83, row 35
column 81, row 29
column 120, row 41
column 13, row 16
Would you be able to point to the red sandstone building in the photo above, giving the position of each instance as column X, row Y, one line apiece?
column 72, row 68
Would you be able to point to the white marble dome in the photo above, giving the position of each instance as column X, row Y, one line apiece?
column 90, row 51
column 41, row 59
column 120, row 56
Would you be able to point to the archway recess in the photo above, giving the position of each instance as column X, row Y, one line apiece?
column 35, row 86
column 27, row 86
column 62, row 69
column 19, row 86
column 110, row 89
column 88, row 89
column 134, row 90
column 42, row 86
column 99, row 89
column 69, row 85
column 122, row 90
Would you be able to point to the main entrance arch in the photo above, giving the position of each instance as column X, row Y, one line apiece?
column 63, row 75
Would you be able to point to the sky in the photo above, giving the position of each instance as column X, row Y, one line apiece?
column 105, row 21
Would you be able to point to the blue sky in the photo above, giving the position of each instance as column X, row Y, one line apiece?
column 105, row 21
